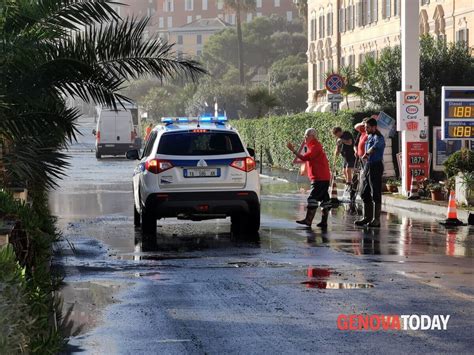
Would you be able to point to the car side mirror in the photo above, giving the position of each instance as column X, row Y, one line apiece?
column 251, row 152
column 133, row 155
column 94, row 132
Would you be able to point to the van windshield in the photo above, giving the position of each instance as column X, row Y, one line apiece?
column 208, row 143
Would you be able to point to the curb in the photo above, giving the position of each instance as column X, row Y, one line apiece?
column 421, row 207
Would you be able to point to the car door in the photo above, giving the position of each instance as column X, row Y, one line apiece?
column 140, row 187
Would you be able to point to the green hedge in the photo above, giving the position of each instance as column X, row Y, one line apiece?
column 271, row 134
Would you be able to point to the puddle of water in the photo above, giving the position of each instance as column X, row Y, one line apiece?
column 269, row 264
column 85, row 301
column 335, row 285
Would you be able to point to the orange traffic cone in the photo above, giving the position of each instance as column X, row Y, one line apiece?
column 414, row 189
column 452, row 215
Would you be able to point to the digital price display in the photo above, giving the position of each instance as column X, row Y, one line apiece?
column 457, row 113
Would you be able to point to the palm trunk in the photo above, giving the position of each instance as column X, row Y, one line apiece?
column 240, row 45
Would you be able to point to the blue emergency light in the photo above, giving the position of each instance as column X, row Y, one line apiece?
column 201, row 119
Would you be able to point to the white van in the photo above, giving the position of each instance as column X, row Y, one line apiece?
column 115, row 132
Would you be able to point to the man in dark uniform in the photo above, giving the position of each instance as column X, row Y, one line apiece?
column 372, row 186
column 317, row 167
column 345, row 147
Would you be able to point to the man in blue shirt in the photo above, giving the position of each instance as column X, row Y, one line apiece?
column 372, row 187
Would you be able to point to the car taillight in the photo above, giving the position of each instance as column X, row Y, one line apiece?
column 157, row 166
column 244, row 164
column 98, row 136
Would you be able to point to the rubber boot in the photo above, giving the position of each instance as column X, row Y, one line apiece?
column 324, row 218
column 310, row 213
column 376, row 221
column 368, row 214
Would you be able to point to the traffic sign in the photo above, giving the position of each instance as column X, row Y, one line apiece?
column 302, row 151
column 335, row 98
column 334, row 83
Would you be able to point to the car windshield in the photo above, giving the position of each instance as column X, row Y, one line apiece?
column 199, row 143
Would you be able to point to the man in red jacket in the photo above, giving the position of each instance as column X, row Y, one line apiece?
column 317, row 166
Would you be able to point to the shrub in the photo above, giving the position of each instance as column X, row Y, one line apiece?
column 26, row 285
column 271, row 134
column 460, row 161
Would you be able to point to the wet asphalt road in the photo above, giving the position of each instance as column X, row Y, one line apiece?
column 196, row 289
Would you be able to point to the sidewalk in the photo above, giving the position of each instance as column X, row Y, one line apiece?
column 436, row 209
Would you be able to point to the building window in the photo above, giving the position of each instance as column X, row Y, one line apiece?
column 330, row 24
column 189, row 5
column 321, row 75
column 386, row 8
column 198, row 17
column 220, row 4
column 342, row 20
column 249, row 17
column 361, row 58
column 180, row 39
column 189, row 19
column 198, row 52
column 179, row 54
column 259, row 3
column 463, row 36
column 204, row 4
column 342, row 62
column 322, row 31
column 313, row 26
column 352, row 60
column 396, row 7
column 289, row 16
column 169, row 21
column 258, row 14
column 198, row 39
column 315, row 77
column 276, row 3
column 161, row 22
column 375, row 10
column 351, row 21
column 425, row 2
column 168, row 6
column 371, row 7
column 330, row 65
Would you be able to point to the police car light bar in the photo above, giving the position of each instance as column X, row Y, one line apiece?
column 203, row 119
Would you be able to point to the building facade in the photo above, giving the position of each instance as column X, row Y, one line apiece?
column 189, row 39
column 345, row 32
column 189, row 23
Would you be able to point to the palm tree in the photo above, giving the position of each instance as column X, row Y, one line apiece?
column 54, row 49
column 237, row 6
column 350, row 82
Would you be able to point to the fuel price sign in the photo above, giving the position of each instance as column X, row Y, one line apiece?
column 457, row 108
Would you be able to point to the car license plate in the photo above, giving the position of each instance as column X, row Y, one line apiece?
column 198, row 173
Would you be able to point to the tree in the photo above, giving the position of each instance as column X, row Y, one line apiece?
column 351, row 80
column 441, row 64
column 53, row 49
column 237, row 6
column 261, row 101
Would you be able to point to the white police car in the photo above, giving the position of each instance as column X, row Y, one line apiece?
column 196, row 169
